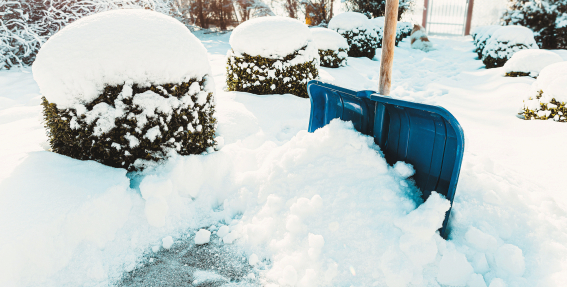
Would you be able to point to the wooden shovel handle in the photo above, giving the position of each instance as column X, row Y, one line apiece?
column 388, row 44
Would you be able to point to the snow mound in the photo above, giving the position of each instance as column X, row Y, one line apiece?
column 349, row 21
column 378, row 21
column 552, row 80
column 327, row 39
column 110, row 48
column 513, row 35
column 531, row 61
column 270, row 37
column 203, row 236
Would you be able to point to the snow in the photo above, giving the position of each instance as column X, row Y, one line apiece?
column 167, row 242
column 349, row 21
column 531, row 61
column 203, row 236
column 378, row 21
column 552, row 81
column 512, row 35
column 111, row 48
column 314, row 209
column 270, row 37
column 327, row 39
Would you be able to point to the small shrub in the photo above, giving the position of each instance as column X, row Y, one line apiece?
column 359, row 32
column 141, row 131
column 259, row 75
column 530, row 62
column 362, row 42
column 539, row 109
column 333, row 48
column 333, row 59
column 516, row 74
column 504, row 43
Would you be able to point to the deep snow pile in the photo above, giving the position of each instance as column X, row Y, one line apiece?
column 549, row 95
column 530, row 62
column 505, row 42
column 359, row 32
column 112, row 93
column 332, row 47
column 272, row 55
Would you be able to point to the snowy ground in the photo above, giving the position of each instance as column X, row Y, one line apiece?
column 301, row 209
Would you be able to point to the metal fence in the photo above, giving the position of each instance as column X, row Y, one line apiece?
column 447, row 17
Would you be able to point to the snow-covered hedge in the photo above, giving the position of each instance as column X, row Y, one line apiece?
column 126, row 87
column 403, row 30
column 504, row 43
column 272, row 55
column 550, row 95
column 359, row 32
column 481, row 35
column 333, row 48
column 530, row 62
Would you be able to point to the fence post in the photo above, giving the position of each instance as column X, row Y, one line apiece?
column 425, row 7
column 469, row 17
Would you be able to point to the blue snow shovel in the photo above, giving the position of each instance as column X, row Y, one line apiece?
column 428, row 137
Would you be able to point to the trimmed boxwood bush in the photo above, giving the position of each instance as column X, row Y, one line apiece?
column 504, row 43
column 140, row 131
column 333, row 59
column 537, row 110
column 362, row 42
column 259, row 75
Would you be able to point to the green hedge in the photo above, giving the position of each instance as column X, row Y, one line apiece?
column 553, row 110
column 499, row 56
column 72, row 134
column 259, row 75
column 333, row 59
column 362, row 42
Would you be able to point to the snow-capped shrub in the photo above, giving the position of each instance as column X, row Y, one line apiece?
column 403, row 30
column 550, row 95
column 543, row 17
column 126, row 87
column 530, row 62
column 359, row 33
column 272, row 55
column 482, row 35
column 504, row 43
column 333, row 47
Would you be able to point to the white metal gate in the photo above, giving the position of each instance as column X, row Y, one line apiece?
column 447, row 17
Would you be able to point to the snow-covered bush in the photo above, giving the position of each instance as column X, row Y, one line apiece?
column 333, row 47
column 481, row 35
column 403, row 29
column 25, row 24
column 530, row 62
column 272, row 55
column 504, row 43
column 359, row 32
column 377, row 8
column 125, row 87
column 543, row 17
column 550, row 95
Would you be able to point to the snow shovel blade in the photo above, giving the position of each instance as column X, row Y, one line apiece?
column 427, row 137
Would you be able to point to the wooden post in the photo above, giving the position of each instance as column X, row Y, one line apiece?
column 388, row 44
column 469, row 17
column 425, row 7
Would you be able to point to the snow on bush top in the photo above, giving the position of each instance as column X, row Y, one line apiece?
column 270, row 37
column 327, row 39
column 514, row 35
column 349, row 21
column 552, row 80
column 113, row 47
column 531, row 61
column 378, row 21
